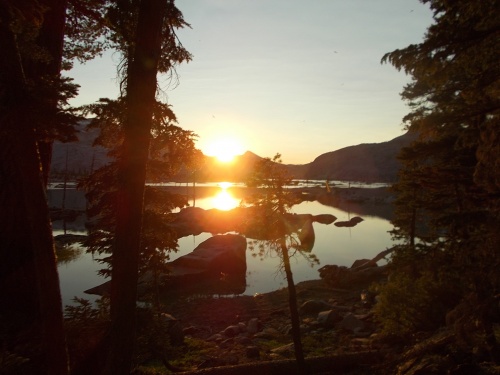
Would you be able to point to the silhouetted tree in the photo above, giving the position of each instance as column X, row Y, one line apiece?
column 34, row 112
column 272, row 202
column 450, row 174
column 29, row 286
column 171, row 149
column 150, row 46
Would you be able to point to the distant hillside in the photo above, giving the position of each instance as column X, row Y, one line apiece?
column 82, row 157
column 373, row 162
column 237, row 170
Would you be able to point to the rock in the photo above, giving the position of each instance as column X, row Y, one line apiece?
column 253, row 326
column 232, row 331
column 216, row 338
column 335, row 275
column 190, row 330
column 351, row 223
column 307, row 236
column 363, row 263
column 361, row 343
column 279, row 312
column 324, row 219
column 174, row 329
column 267, row 334
column 188, row 221
column 242, row 326
column 211, row 362
column 224, row 253
column 328, row 318
column 217, row 265
column 252, row 352
column 227, row 343
column 231, row 360
column 340, row 276
column 285, row 350
column 195, row 220
column 314, row 307
column 351, row 323
column 339, row 308
column 242, row 340
column 361, row 334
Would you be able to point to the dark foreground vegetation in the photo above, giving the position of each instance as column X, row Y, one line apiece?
column 436, row 310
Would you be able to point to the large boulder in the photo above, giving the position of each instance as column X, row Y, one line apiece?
column 217, row 265
column 221, row 254
column 362, row 272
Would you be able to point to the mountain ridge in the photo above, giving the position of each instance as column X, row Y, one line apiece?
column 366, row 162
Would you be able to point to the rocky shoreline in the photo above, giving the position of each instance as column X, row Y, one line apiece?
column 255, row 330
column 242, row 330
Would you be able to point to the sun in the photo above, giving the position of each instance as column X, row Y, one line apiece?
column 224, row 149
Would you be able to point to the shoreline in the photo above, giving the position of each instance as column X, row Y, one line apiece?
column 75, row 198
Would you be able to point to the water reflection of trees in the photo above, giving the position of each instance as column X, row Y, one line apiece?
column 68, row 253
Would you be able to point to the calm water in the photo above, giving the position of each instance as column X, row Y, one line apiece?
column 333, row 245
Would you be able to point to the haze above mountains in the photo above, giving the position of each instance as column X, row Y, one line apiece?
column 370, row 162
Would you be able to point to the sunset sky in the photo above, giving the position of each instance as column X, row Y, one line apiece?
column 291, row 76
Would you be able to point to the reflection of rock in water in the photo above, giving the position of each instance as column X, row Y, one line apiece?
column 216, row 266
column 352, row 222
column 194, row 220
column 222, row 285
column 360, row 201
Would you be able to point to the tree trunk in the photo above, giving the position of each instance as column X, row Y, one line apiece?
column 40, row 233
column 141, row 90
column 294, row 310
column 50, row 38
column 26, row 244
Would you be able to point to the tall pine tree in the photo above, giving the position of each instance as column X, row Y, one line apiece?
column 449, row 187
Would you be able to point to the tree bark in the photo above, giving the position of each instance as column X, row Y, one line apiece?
column 40, row 233
column 294, row 309
column 26, row 244
column 51, row 38
column 140, row 98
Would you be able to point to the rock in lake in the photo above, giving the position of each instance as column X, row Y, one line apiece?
column 217, row 265
column 218, row 255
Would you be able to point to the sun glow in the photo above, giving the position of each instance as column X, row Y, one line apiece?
column 225, row 149
column 224, row 185
column 224, row 200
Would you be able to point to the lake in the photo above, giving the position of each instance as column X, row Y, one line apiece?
column 333, row 245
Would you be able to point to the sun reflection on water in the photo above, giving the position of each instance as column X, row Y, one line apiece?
column 224, row 200
column 225, row 185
